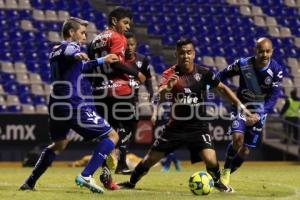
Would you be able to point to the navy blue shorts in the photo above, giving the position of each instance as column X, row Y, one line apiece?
column 252, row 134
column 84, row 120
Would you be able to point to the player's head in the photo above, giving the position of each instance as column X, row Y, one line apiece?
column 185, row 53
column 119, row 19
column 74, row 29
column 131, row 45
column 263, row 51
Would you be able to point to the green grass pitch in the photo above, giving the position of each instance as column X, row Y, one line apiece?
column 252, row 181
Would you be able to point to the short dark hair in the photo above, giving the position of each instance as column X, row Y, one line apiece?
column 119, row 13
column 184, row 41
column 72, row 23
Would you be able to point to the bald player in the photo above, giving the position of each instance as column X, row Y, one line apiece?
column 259, row 88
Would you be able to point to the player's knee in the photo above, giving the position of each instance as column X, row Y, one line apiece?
column 58, row 146
column 245, row 151
column 238, row 143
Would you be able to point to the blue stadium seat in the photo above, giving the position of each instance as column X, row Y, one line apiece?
column 14, row 109
column 11, row 87
column 3, row 108
column 32, row 64
column 38, row 100
column 23, row 89
column 25, row 99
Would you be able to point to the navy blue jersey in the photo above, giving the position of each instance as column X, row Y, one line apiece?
column 69, row 85
column 269, row 79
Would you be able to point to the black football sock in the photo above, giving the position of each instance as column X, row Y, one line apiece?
column 230, row 154
column 236, row 162
column 214, row 172
column 138, row 173
column 45, row 160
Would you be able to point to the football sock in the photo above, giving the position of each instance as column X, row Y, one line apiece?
column 230, row 154
column 101, row 151
column 169, row 159
column 138, row 173
column 122, row 157
column 214, row 172
column 236, row 162
column 45, row 160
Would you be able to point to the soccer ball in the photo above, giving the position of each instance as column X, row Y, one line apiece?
column 201, row 183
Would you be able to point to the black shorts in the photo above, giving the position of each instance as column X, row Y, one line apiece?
column 120, row 113
column 194, row 139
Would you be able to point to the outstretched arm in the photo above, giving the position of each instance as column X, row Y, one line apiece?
column 229, row 94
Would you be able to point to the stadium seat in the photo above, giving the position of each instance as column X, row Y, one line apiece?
column 25, row 99
column 12, row 100
column 11, row 4
column 28, row 109
column 22, row 78
column 35, row 78
column 37, row 89
column 1, row 90
column 41, row 109
column 20, row 67
column 39, row 100
column 14, row 108
column 7, row 67
column 24, row 4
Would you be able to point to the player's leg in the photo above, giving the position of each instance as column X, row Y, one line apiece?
column 125, row 134
column 209, row 157
column 90, row 125
column 237, row 130
column 142, row 168
column 58, row 131
column 166, row 143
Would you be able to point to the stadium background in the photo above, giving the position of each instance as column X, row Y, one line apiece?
column 222, row 29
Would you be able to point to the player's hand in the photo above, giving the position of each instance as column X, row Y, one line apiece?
column 111, row 58
column 82, row 56
column 172, row 81
column 252, row 119
column 141, row 77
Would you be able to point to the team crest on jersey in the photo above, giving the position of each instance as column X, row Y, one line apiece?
column 139, row 64
column 235, row 124
column 197, row 76
column 268, row 80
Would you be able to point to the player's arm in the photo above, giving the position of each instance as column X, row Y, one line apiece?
column 230, row 71
column 146, row 70
column 89, row 65
column 118, row 66
column 166, row 85
column 271, row 99
column 226, row 92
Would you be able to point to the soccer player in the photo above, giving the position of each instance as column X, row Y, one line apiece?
column 185, row 83
column 259, row 88
column 69, row 110
column 114, row 91
column 140, row 63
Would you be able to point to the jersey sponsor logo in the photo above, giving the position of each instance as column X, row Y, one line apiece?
column 268, row 80
column 187, row 90
column 55, row 53
column 101, row 40
column 187, row 100
column 139, row 64
column 198, row 77
column 235, row 124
